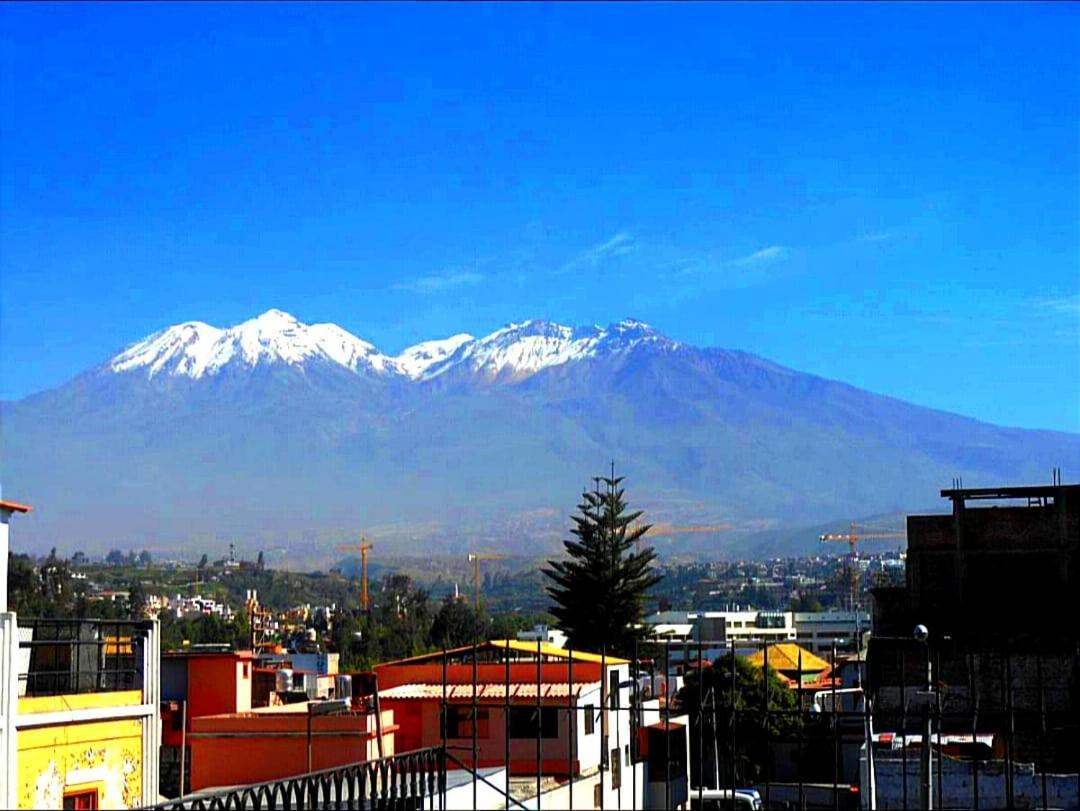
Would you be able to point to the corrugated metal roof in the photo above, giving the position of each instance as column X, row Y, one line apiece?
column 547, row 649
column 485, row 690
column 520, row 646
column 788, row 656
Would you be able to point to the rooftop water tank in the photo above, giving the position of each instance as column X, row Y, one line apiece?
column 283, row 680
column 342, row 686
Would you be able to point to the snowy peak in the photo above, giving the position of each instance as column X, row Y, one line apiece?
column 183, row 349
column 417, row 360
column 517, row 351
column 520, row 350
column 195, row 349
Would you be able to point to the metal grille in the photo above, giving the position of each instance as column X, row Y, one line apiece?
column 413, row 780
column 65, row 657
column 1002, row 726
column 1003, row 729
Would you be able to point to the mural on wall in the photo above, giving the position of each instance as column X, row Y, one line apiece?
column 116, row 773
column 47, row 791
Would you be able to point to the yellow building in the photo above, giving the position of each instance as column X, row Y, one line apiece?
column 79, row 709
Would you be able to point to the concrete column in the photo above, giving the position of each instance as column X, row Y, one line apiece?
column 7, row 508
column 4, row 516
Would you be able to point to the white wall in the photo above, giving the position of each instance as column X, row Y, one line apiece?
column 1061, row 789
column 9, row 704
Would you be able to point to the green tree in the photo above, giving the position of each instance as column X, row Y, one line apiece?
column 136, row 601
column 457, row 623
column 731, row 706
column 599, row 591
column 402, row 617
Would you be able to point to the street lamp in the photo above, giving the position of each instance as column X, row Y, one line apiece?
column 926, row 777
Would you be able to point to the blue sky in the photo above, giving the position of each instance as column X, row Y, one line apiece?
column 884, row 194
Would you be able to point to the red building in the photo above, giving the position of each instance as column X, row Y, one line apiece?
column 270, row 743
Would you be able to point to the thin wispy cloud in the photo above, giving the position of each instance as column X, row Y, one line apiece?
column 757, row 261
column 438, row 283
column 878, row 236
column 620, row 244
column 774, row 253
column 1069, row 305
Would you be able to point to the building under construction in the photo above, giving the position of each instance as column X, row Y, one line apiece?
column 1002, row 567
column 994, row 582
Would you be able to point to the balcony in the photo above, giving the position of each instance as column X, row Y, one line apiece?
column 68, row 657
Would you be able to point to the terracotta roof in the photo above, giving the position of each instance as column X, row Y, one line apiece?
column 485, row 690
column 786, row 656
column 14, row 506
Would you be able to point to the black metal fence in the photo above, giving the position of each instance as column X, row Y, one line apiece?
column 65, row 657
column 412, row 780
column 906, row 725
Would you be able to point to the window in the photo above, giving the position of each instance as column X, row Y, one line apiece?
column 459, row 722
column 616, row 769
column 247, row 672
column 81, row 800
column 627, row 752
column 613, row 689
column 524, row 722
column 590, row 719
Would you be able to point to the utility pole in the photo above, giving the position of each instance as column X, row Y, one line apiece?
column 926, row 760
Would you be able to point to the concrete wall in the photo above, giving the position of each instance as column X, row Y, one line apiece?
column 82, row 742
column 218, row 684
column 958, row 785
column 629, row 794
column 238, row 749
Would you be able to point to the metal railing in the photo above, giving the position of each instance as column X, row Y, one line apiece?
column 909, row 725
column 1003, row 730
column 412, row 780
column 63, row 657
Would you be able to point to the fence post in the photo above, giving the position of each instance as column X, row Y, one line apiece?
column 734, row 723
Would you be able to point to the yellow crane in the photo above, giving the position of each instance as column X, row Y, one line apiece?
column 474, row 559
column 364, row 546
column 662, row 529
column 852, row 538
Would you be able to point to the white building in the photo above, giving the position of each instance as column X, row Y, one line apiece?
column 717, row 630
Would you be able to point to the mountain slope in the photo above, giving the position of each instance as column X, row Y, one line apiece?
column 279, row 435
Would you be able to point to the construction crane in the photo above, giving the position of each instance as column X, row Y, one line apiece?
column 474, row 559
column 852, row 538
column 672, row 529
column 364, row 546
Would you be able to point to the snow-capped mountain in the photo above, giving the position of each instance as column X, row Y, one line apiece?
column 195, row 349
column 417, row 360
column 518, row 351
column 278, row 430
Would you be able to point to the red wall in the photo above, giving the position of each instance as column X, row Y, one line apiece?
column 392, row 675
column 213, row 686
column 271, row 746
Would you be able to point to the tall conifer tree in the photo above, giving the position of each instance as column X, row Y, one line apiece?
column 599, row 590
